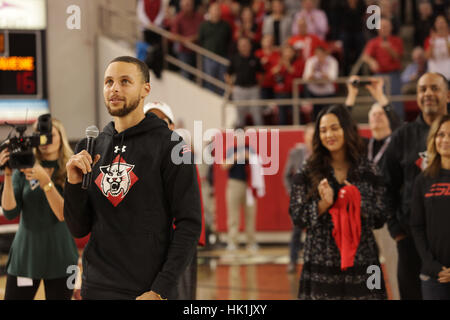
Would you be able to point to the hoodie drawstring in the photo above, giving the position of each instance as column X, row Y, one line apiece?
column 120, row 151
column 112, row 152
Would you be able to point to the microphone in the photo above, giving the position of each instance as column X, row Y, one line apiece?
column 91, row 134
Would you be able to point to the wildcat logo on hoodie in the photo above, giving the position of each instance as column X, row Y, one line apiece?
column 116, row 180
column 422, row 162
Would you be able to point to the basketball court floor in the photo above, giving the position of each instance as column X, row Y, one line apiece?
column 239, row 275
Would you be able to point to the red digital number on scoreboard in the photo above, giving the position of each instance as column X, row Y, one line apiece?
column 25, row 82
column 2, row 43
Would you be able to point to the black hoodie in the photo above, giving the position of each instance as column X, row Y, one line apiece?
column 136, row 193
column 404, row 159
column 430, row 221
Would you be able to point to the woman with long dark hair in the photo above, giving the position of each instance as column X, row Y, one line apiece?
column 430, row 219
column 43, row 248
column 336, row 171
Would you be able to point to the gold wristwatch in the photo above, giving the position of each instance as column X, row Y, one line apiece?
column 48, row 186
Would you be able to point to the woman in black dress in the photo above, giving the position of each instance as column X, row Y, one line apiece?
column 338, row 160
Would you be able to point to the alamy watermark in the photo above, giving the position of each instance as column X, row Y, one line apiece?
column 209, row 147
column 374, row 280
column 73, row 21
column 374, row 19
column 74, row 278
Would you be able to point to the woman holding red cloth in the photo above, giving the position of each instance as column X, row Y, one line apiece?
column 338, row 163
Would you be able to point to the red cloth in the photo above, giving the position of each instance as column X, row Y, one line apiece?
column 385, row 61
column 152, row 8
column 346, row 217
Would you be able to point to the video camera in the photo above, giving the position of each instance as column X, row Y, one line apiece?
column 21, row 147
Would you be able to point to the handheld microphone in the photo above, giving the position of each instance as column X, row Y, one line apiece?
column 91, row 134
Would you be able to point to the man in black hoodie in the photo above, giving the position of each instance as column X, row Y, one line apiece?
column 136, row 196
column 405, row 158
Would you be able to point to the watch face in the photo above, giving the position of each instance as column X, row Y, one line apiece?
column 48, row 186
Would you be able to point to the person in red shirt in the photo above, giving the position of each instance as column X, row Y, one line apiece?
column 259, row 10
column 186, row 25
column 229, row 11
column 247, row 27
column 383, row 54
column 268, row 55
column 304, row 42
column 288, row 67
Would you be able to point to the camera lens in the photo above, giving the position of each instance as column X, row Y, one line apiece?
column 44, row 124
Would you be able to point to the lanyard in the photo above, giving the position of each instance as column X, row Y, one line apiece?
column 380, row 152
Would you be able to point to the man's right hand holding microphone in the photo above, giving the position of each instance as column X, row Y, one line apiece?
column 79, row 165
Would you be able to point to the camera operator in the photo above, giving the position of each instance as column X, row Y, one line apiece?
column 43, row 247
column 382, row 122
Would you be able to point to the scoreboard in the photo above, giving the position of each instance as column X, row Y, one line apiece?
column 23, row 96
column 21, row 65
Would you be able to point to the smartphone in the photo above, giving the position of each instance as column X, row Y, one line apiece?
column 361, row 83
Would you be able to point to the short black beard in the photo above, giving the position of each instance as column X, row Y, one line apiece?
column 127, row 109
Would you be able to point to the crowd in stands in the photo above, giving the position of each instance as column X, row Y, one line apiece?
column 309, row 39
